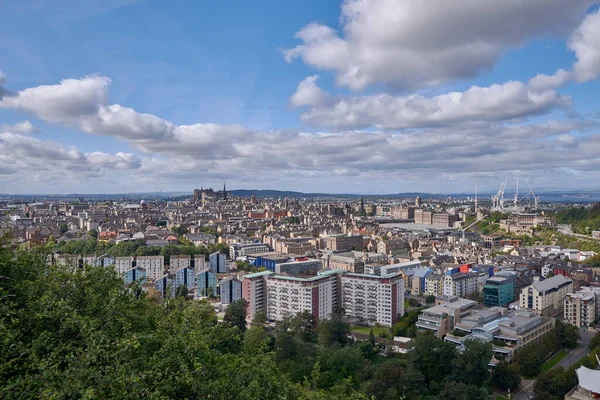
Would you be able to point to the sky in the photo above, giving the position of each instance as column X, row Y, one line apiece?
column 358, row 96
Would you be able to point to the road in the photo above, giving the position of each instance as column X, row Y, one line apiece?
column 566, row 230
column 526, row 389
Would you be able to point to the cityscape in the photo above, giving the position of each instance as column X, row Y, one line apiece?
column 362, row 199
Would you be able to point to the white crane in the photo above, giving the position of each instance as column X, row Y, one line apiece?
column 535, row 198
column 498, row 198
column 517, row 193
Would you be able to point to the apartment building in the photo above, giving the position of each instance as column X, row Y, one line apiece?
column 185, row 277
column 165, row 287
column 373, row 299
column 237, row 250
column 390, row 269
column 206, row 284
column 288, row 295
column 231, row 290
column 123, row 264
column 154, row 266
column 580, row 309
column 254, row 290
column 178, row 262
column 546, row 297
column 460, row 284
column 441, row 318
column 136, row 274
column 344, row 243
column 218, row 262
column 294, row 248
column 201, row 264
column 392, row 246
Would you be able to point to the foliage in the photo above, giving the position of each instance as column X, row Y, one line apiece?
column 235, row 315
column 582, row 219
column 506, row 376
column 293, row 220
column 471, row 365
column 414, row 302
column 406, row 324
column 430, row 299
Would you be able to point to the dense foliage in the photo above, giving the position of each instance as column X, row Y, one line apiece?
column 81, row 334
column 582, row 219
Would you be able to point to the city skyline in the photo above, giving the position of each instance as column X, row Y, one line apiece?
column 371, row 97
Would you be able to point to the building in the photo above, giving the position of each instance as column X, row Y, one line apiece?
column 185, row 277
column 499, row 291
column 390, row 269
column 414, row 279
column 434, row 284
column 218, row 262
column 588, row 384
column 165, row 286
column 178, row 262
column 254, row 290
column 462, row 285
column 441, row 318
column 201, row 264
column 373, row 299
column 123, row 264
column 580, row 309
column 392, row 246
column 136, row 274
column 344, row 261
column 268, row 260
column 546, row 297
column 231, row 290
column 206, row 284
column 288, row 295
column 344, row 243
column 237, row 250
column 301, row 266
column 154, row 266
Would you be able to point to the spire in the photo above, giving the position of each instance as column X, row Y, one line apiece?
column 224, row 192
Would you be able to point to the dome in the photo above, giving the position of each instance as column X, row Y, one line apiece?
column 143, row 201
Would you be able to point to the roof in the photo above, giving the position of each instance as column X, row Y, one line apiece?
column 589, row 379
column 257, row 274
column 550, row 283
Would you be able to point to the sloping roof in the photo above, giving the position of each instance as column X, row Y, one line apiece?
column 589, row 379
column 549, row 283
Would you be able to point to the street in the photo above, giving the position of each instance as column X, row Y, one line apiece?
column 526, row 389
column 566, row 230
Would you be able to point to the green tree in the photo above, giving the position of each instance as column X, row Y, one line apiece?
column 430, row 299
column 333, row 332
column 506, row 376
column 235, row 315
column 63, row 228
column 93, row 233
column 471, row 365
column 303, row 326
column 530, row 359
column 432, row 357
column 462, row 391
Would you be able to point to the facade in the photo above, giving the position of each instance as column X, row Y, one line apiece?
column 390, row 269
column 154, row 265
column 237, row 250
column 546, row 297
column 201, row 264
column 344, row 243
column 392, row 246
column 123, row 264
column 206, row 284
column 218, row 262
column 373, row 299
column 231, row 290
column 580, row 309
column 440, row 319
column 136, row 274
column 178, row 262
column 165, row 287
column 287, row 295
column 254, row 290
column 462, row 285
column 299, row 267
column 434, row 284
column 499, row 291
column 185, row 277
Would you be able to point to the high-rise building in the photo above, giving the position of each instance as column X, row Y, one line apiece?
column 254, row 290
column 546, row 297
column 373, row 299
column 580, row 309
column 206, row 284
column 231, row 290
column 499, row 291
column 136, row 274
column 185, row 277
column 218, row 262
column 165, row 286
column 123, row 264
column 154, row 265
column 178, row 262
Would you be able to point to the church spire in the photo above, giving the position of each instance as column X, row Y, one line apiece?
column 224, row 192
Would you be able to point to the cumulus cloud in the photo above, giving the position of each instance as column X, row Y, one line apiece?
column 497, row 102
column 19, row 127
column 406, row 43
column 585, row 42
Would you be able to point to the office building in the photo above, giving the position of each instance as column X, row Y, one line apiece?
column 373, row 299
column 237, row 250
column 441, row 318
column 499, row 291
column 301, row 266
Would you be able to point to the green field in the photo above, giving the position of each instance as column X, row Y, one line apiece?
column 366, row 329
column 554, row 360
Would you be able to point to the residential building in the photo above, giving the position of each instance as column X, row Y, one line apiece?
column 580, row 309
column 301, row 266
column 185, row 277
column 136, row 274
column 231, row 290
column 546, row 297
column 441, row 318
column 178, row 262
column 344, row 243
column 206, row 284
column 201, row 264
column 434, row 284
column 165, row 286
column 392, row 246
column 218, row 262
column 373, row 299
column 254, row 290
column 154, row 265
column 123, row 264
column 288, row 295
column 499, row 291
column 390, row 269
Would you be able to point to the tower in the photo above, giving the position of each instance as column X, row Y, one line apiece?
column 362, row 205
column 224, row 192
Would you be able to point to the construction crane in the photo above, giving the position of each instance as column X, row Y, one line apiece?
column 535, row 198
column 498, row 198
column 517, row 193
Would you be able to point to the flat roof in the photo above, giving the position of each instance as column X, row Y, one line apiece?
column 257, row 274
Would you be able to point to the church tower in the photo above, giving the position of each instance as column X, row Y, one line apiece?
column 224, row 192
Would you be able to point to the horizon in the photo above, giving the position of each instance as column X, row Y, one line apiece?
column 374, row 97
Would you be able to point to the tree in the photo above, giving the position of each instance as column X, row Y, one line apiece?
column 462, row 391
column 93, row 233
column 235, row 315
column 506, row 376
column 471, row 365
column 568, row 335
column 182, row 291
column 334, row 332
column 530, row 359
column 414, row 302
column 432, row 357
column 430, row 299
column 260, row 319
column 303, row 326
column 63, row 228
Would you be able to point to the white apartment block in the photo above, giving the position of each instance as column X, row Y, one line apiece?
column 242, row 250
column 287, row 295
column 373, row 299
column 178, row 262
column 434, row 284
column 580, row 309
column 201, row 264
column 547, row 296
column 123, row 264
column 154, row 266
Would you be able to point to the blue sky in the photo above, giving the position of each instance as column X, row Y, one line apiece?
column 377, row 119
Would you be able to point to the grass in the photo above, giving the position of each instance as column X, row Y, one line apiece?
column 406, row 305
column 554, row 360
column 501, row 398
column 366, row 329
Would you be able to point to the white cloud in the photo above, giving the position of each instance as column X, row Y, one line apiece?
column 585, row 42
column 407, row 43
column 19, row 127
column 543, row 82
column 497, row 102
